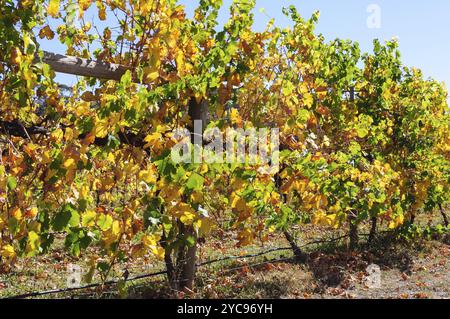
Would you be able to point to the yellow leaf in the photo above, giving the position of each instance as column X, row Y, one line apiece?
column 150, row 74
column 46, row 32
column 149, row 240
column 101, row 128
column 88, row 218
column 205, row 226
column 2, row 223
column 180, row 60
column 84, row 192
column 16, row 213
column 33, row 244
column 185, row 213
column 102, row 13
column 112, row 235
column 30, row 149
column 88, row 97
column 53, row 8
column 145, row 6
column 57, row 135
column 397, row 222
column 196, row 197
column 107, row 183
column 245, row 237
column 147, row 176
column 153, row 139
column 69, row 163
column 170, row 192
column 235, row 118
column 308, row 100
column 84, row 4
column 204, row 169
column 187, row 217
column 159, row 252
column 171, row 41
column 115, row 229
column 8, row 252
column 111, row 158
column 31, row 213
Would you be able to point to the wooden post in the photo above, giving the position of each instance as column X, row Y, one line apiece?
column 82, row 67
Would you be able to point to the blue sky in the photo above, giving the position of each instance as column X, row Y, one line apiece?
column 423, row 27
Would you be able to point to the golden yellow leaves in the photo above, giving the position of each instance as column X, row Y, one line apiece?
column 112, row 234
column 235, row 118
column 101, row 128
column 323, row 219
column 83, row 6
column 53, row 8
column 31, row 212
column 16, row 212
column 88, row 218
column 183, row 66
column 151, row 242
column 151, row 73
column 57, row 135
column 88, row 97
column 196, row 197
column 308, row 100
column 69, row 164
column 2, row 223
column 107, row 125
column 145, row 6
column 8, row 253
column 397, row 221
column 46, row 32
column 157, row 140
column 204, row 225
column 33, row 244
column 30, row 149
column 184, row 212
column 242, row 208
column 170, row 192
column 245, row 237
column 16, row 56
column 105, row 184
column 153, row 54
column 294, row 184
column 101, row 10
column 149, row 175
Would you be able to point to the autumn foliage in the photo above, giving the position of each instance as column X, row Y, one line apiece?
column 362, row 137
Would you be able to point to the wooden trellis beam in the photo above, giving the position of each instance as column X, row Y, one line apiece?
column 83, row 67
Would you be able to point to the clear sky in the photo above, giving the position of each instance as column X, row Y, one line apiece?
column 423, row 27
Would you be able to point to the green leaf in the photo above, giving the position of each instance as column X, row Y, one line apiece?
column 67, row 217
column 362, row 132
column 88, row 218
column 190, row 241
column 11, row 183
column 105, row 222
column 195, row 182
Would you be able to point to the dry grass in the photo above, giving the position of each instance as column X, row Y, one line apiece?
column 419, row 270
